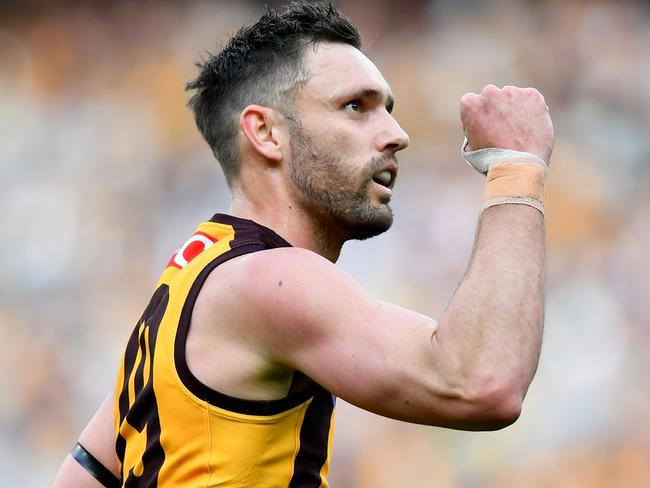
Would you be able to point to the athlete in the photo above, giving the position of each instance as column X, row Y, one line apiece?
column 230, row 376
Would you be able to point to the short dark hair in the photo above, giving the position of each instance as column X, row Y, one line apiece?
column 261, row 64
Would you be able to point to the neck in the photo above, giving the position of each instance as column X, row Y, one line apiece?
column 288, row 219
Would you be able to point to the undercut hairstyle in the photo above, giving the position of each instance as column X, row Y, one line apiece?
column 261, row 64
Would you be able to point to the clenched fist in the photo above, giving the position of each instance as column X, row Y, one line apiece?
column 508, row 118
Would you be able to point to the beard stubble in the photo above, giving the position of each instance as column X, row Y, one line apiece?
column 329, row 190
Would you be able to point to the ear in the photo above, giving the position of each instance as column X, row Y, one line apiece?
column 263, row 129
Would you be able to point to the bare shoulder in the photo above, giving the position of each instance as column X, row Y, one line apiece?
column 253, row 313
column 276, row 277
column 291, row 262
column 302, row 312
column 294, row 281
column 283, row 298
column 242, row 319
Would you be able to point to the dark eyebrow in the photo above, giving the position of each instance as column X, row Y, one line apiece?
column 373, row 94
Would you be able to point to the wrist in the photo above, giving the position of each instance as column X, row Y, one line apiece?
column 482, row 159
column 516, row 181
column 513, row 177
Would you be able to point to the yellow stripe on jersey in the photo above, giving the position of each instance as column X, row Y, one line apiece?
column 172, row 430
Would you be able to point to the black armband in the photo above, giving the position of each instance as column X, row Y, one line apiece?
column 100, row 472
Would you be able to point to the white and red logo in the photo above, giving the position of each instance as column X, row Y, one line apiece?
column 194, row 246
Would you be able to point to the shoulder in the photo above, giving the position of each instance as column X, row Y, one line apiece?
column 284, row 260
column 264, row 274
column 286, row 295
column 284, row 267
column 291, row 278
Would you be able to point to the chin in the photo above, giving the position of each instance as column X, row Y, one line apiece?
column 372, row 225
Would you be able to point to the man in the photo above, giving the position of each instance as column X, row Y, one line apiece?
column 230, row 376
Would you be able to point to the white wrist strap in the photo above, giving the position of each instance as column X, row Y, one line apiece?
column 482, row 159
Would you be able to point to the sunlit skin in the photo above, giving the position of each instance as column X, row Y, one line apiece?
column 345, row 137
column 343, row 112
column 291, row 310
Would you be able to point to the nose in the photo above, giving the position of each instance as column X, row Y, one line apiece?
column 393, row 138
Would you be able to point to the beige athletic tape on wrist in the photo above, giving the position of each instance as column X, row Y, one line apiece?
column 515, row 181
column 512, row 176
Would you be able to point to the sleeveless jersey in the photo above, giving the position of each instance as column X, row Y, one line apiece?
column 172, row 430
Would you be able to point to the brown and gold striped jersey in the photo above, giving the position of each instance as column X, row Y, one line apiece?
column 173, row 430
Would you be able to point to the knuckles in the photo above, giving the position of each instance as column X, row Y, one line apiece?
column 489, row 90
column 469, row 99
column 497, row 117
column 491, row 95
column 532, row 92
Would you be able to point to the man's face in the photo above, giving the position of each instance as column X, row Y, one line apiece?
column 343, row 146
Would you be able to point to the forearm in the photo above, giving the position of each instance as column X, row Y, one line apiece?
column 493, row 325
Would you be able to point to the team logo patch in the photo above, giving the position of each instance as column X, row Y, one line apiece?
column 194, row 246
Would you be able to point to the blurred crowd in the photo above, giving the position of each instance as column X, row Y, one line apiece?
column 103, row 175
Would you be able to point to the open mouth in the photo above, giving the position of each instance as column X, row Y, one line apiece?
column 386, row 177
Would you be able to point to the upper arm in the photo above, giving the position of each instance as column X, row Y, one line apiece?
column 305, row 313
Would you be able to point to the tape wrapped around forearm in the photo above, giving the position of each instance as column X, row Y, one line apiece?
column 512, row 176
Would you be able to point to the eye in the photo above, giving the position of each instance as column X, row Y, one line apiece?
column 353, row 106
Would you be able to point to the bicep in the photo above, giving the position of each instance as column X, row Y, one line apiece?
column 376, row 355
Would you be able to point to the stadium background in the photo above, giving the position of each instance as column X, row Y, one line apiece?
column 103, row 174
